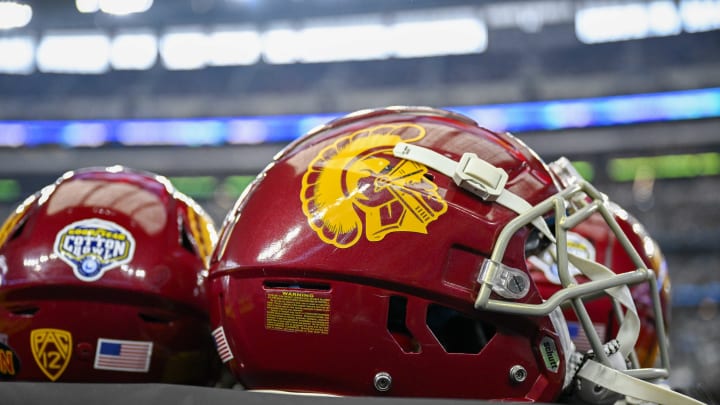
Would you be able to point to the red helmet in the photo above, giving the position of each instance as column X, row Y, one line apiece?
column 594, row 240
column 384, row 253
column 102, row 280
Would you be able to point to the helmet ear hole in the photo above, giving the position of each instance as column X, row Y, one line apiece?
column 25, row 310
column 396, row 325
column 156, row 318
column 456, row 332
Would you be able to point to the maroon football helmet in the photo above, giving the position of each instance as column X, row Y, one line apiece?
column 102, row 280
column 385, row 254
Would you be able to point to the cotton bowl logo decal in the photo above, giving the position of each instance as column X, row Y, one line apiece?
column 357, row 184
column 93, row 246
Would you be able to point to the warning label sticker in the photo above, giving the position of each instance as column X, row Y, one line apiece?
column 294, row 311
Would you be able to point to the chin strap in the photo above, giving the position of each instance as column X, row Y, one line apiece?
column 614, row 378
column 474, row 175
column 632, row 387
column 630, row 325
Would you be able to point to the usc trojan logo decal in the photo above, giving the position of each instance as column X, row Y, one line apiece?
column 51, row 349
column 357, row 184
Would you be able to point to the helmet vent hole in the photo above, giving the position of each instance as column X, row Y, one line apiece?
column 456, row 332
column 297, row 285
column 24, row 311
column 536, row 242
column 396, row 325
column 155, row 318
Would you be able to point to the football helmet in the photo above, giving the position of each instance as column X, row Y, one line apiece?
column 384, row 254
column 102, row 280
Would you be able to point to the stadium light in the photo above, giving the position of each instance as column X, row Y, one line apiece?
column 664, row 19
column 184, row 49
column 355, row 38
column 17, row 55
column 124, row 7
column 700, row 15
column 14, row 15
column 402, row 34
column 87, row 6
column 134, row 50
column 626, row 21
column 74, row 52
column 115, row 7
column 611, row 23
column 230, row 46
column 281, row 44
column 447, row 32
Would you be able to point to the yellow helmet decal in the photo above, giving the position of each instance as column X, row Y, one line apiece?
column 12, row 220
column 202, row 230
column 357, row 184
column 52, row 350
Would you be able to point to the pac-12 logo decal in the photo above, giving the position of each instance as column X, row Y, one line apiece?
column 93, row 246
column 357, row 184
column 51, row 349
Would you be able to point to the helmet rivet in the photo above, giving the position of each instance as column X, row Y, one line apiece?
column 382, row 381
column 518, row 373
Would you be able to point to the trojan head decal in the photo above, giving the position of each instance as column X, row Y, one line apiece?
column 356, row 185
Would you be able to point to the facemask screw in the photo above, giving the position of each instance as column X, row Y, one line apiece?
column 518, row 374
column 516, row 284
column 382, row 381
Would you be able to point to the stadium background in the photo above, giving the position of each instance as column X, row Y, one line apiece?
column 628, row 90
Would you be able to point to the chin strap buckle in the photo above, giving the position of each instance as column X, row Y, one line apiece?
column 480, row 177
column 474, row 175
column 470, row 173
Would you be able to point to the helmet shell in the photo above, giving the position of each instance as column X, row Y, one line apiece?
column 342, row 265
column 102, row 280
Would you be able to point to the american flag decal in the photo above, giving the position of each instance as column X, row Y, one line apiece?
column 123, row 355
column 222, row 344
column 578, row 336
